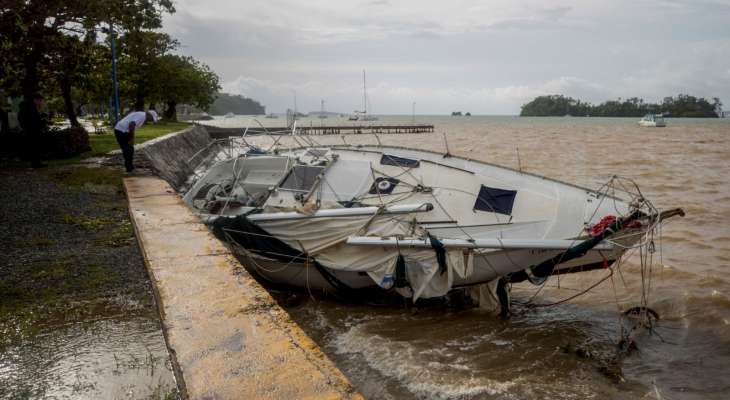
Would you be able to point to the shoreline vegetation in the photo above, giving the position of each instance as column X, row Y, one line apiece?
column 681, row 106
column 225, row 103
column 64, row 50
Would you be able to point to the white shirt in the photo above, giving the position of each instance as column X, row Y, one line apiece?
column 138, row 117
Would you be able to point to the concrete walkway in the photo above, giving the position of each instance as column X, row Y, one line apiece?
column 228, row 339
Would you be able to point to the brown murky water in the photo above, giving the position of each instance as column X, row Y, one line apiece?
column 436, row 353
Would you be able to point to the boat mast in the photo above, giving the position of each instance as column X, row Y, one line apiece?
column 364, row 94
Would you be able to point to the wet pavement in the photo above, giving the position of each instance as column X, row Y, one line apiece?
column 78, row 319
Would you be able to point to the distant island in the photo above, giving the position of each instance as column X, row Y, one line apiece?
column 229, row 103
column 678, row 107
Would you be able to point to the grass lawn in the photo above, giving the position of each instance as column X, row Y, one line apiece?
column 106, row 142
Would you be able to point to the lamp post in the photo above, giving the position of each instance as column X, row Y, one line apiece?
column 413, row 113
column 115, row 86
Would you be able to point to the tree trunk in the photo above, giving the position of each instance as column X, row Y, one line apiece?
column 68, row 104
column 4, row 122
column 139, row 99
column 30, row 80
column 171, row 112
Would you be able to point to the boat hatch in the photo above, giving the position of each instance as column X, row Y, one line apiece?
column 302, row 178
column 387, row 159
column 495, row 200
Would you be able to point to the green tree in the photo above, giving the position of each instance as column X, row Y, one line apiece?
column 681, row 106
column 183, row 80
column 554, row 105
column 70, row 66
column 33, row 26
column 139, row 64
column 237, row 104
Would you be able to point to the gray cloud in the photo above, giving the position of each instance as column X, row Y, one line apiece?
column 487, row 57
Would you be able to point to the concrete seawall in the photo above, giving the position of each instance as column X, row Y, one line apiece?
column 227, row 337
column 169, row 155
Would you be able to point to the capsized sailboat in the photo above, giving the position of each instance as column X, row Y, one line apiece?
column 410, row 221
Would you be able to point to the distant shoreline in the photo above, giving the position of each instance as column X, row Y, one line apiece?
column 681, row 106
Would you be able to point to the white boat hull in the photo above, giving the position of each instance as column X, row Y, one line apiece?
column 342, row 217
column 486, row 269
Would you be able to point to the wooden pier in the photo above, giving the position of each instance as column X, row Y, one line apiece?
column 358, row 129
column 220, row 133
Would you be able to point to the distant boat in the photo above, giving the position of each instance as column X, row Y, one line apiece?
column 272, row 116
column 653, row 120
column 364, row 116
column 456, row 114
column 229, row 115
column 353, row 117
column 322, row 114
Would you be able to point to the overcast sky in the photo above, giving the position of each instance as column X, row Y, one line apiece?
column 487, row 57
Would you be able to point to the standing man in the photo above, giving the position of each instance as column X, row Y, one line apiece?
column 124, row 132
column 33, row 124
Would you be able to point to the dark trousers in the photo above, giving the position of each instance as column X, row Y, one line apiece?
column 127, row 148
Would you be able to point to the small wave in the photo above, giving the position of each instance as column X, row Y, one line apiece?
column 711, row 281
column 721, row 239
column 668, row 187
column 667, row 238
column 442, row 366
column 425, row 378
column 663, row 271
column 469, row 343
column 699, row 245
column 714, row 301
column 470, row 388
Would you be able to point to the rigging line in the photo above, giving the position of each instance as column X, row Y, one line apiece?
column 309, row 289
column 484, row 257
column 575, row 239
column 389, row 176
column 306, row 269
column 233, row 184
column 375, row 196
column 326, row 182
column 250, row 257
column 372, row 175
column 408, row 171
column 438, row 187
column 608, row 185
column 610, row 274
